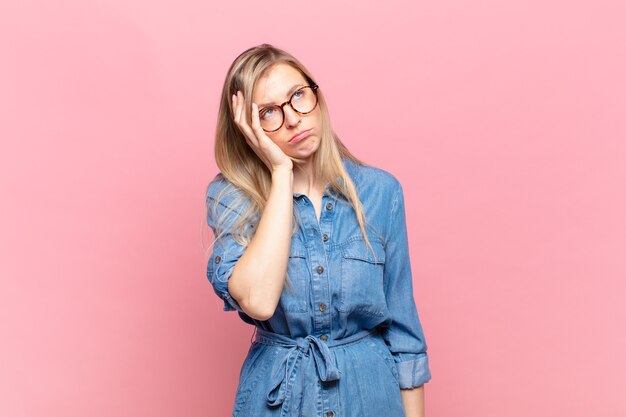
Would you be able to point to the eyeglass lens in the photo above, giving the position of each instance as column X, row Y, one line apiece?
column 303, row 100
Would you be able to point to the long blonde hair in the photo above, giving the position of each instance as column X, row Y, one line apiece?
column 243, row 169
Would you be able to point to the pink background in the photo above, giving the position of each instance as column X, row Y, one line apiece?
column 504, row 121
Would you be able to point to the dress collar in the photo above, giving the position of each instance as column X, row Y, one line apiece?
column 352, row 169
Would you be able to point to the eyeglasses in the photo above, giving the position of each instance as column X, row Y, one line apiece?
column 303, row 101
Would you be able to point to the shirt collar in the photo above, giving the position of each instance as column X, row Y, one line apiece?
column 352, row 169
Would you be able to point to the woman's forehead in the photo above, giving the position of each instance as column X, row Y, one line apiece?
column 277, row 83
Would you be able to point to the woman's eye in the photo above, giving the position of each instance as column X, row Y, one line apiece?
column 265, row 113
column 297, row 94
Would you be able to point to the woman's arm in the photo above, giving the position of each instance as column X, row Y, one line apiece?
column 258, row 277
column 404, row 334
column 413, row 401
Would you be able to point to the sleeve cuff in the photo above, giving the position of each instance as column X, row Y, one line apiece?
column 230, row 304
column 221, row 289
column 413, row 370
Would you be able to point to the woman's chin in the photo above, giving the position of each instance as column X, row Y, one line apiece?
column 304, row 152
column 302, row 156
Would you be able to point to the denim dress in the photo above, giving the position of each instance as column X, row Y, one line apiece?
column 347, row 337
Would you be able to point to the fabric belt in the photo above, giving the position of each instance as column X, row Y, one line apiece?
column 286, row 376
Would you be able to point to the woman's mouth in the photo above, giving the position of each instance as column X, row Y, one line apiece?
column 300, row 136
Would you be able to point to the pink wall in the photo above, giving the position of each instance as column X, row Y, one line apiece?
column 503, row 120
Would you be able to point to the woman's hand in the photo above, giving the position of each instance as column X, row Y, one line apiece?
column 261, row 144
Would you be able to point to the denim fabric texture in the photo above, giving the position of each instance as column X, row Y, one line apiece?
column 349, row 337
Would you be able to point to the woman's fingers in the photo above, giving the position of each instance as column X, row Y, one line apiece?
column 256, row 122
column 241, row 120
column 240, row 106
column 255, row 136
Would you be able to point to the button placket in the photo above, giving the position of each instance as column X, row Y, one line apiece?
column 314, row 229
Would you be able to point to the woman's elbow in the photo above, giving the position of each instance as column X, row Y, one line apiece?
column 260, row 309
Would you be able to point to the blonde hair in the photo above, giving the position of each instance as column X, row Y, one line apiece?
column 243, row 169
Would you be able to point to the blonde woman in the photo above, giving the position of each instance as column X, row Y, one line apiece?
column 311, row 249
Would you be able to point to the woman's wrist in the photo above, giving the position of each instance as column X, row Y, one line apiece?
column 282, row 170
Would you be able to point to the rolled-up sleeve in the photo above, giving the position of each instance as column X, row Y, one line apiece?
column 404, row 334
column 226, row 250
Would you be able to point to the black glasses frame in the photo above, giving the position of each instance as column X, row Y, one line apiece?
column 313, row 87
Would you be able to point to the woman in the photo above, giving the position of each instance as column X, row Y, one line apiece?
column 311, row 248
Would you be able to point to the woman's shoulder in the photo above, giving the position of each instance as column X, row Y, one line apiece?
column 371, row 178
column 220, row 188
column 217, row 185
column 221, row 193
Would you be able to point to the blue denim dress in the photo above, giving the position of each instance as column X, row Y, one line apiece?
column 347, row 338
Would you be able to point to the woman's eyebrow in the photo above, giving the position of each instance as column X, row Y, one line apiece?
column 291, row 90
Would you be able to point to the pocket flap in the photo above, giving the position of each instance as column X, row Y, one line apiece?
column 297, row 250
column 358, row 249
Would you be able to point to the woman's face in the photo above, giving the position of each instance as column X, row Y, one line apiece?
column 276, row 87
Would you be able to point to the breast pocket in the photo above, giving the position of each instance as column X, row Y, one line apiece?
column 294, row 298
column 362, row 287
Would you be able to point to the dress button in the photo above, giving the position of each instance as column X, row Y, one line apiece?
column 320, row 269
column 323, row 337
column 325, row 237
column 218, row 259
column 329, row 206
column 322, row 307
column 330, row 413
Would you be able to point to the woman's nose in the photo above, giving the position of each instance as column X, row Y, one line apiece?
column 292, row 118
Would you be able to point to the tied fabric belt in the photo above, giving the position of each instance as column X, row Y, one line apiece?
column 285, row 378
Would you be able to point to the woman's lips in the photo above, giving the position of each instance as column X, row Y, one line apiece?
column 300, row 136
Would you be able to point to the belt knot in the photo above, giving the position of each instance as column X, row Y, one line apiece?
column 287, row 376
